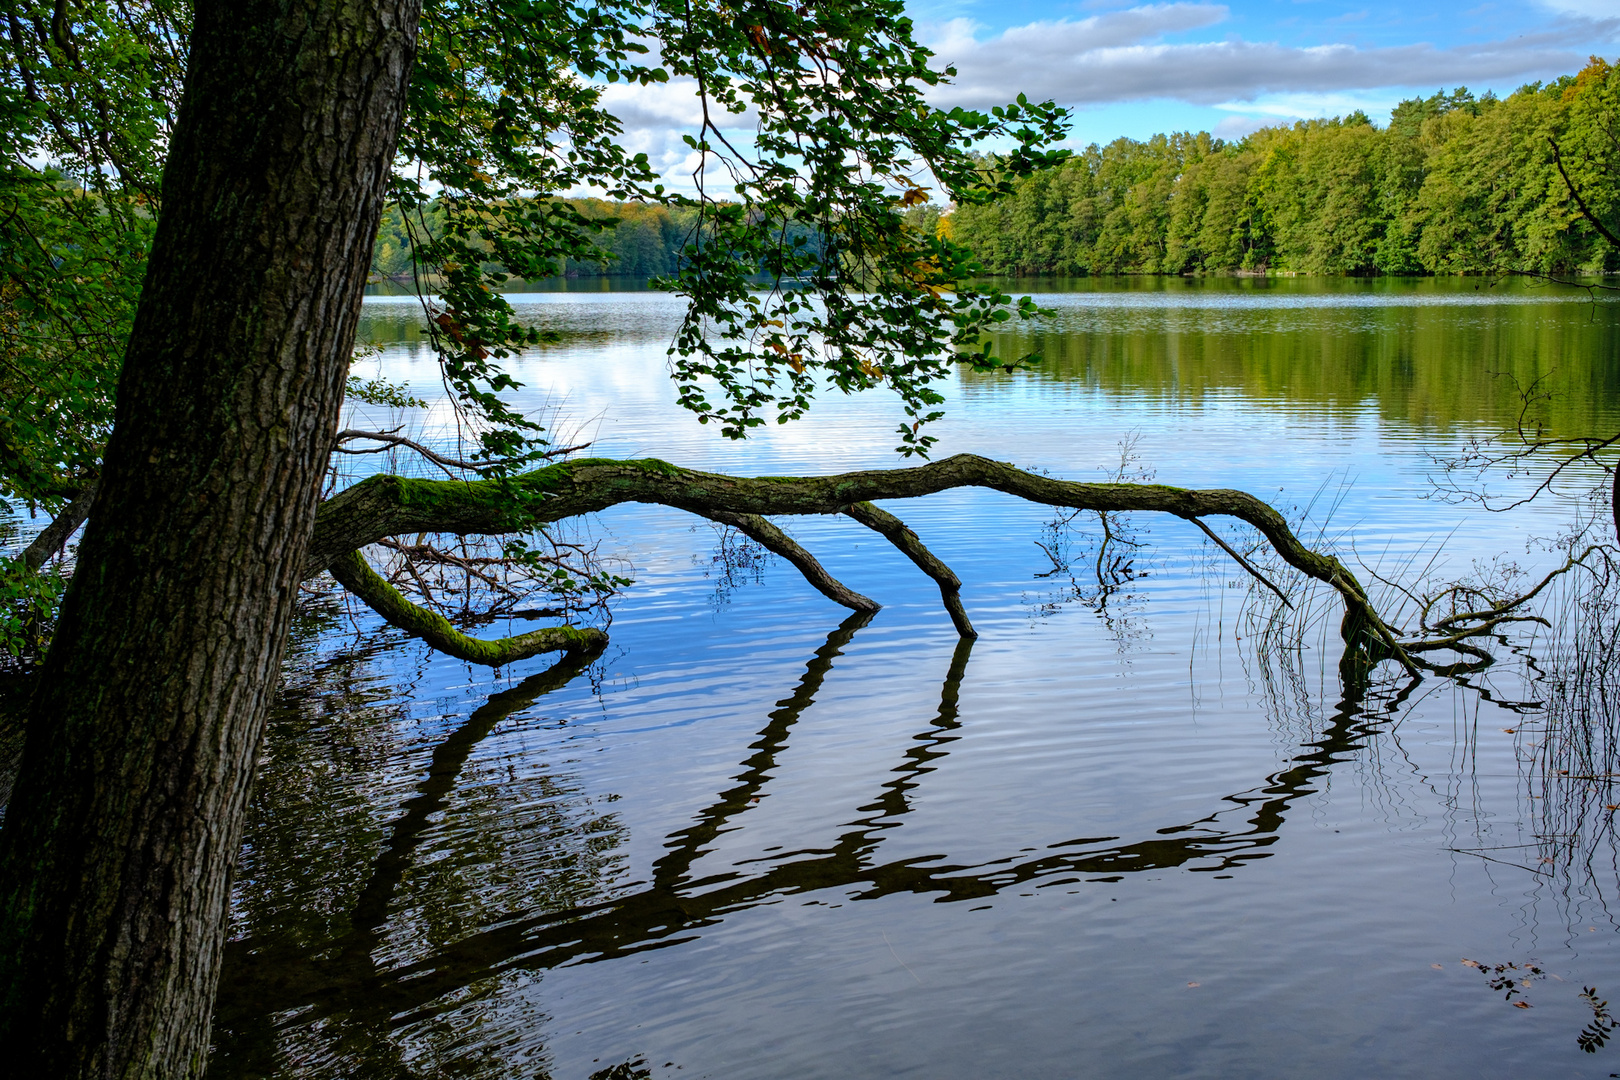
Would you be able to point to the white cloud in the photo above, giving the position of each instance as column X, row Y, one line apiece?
column 656, row 118
column 1298, row 106
column 1236, row 127
column 1121, row 56
column 671, row 104
column 1584, row 9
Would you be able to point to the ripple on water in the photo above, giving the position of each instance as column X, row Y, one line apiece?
column 758, row 839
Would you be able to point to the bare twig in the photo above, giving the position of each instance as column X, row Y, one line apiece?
column 390, row 439
column 1241, row 561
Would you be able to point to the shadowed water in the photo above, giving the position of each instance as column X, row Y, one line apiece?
column 758, row 838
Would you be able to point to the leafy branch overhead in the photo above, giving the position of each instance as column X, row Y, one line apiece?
column 801, row 268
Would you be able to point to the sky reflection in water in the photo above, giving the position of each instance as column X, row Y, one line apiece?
column 754, row 840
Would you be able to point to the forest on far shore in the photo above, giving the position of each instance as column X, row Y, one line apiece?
column 1453, row 184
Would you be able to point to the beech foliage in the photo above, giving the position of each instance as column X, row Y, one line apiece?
column 1452, row 184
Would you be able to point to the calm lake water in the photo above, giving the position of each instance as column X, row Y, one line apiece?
column 761, row 839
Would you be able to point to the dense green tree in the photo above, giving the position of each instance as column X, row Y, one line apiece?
column 94, row 98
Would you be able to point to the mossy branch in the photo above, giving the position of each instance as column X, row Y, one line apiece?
column 355, row 574
column 385, row 506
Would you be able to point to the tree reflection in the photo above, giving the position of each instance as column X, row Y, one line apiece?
column 340, row 983
column 309, row 950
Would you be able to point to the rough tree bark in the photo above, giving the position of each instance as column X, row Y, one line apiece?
column 119, row 840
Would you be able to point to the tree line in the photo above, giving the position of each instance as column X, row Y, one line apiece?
column 1453, row 184
column 633, row 239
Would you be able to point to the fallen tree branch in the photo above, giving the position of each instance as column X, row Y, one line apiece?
column 895, row 532
column 355, row 574
column 771, row 538
column 387, row 505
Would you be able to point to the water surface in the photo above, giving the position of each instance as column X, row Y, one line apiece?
column 759, row 838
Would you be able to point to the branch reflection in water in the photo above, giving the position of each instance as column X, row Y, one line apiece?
column 349, row 990
column 1567, row 745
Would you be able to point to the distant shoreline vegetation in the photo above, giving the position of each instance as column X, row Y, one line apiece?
column 646, row 242
column 1454, row 184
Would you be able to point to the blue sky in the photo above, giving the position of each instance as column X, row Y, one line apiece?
column 1136, row 69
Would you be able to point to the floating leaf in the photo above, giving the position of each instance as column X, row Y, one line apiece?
column 1521, row 1005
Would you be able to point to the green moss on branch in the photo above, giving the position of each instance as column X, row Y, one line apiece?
column 355, row 574
column 389, row 506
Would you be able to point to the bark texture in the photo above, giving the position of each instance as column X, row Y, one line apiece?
column 117, row 847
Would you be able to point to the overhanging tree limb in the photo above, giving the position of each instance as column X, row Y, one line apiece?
column 385, row 506
column 762, row 532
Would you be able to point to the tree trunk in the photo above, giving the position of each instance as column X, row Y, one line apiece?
column 116, row 851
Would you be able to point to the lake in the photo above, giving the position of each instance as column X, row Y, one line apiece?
column 1124, row 833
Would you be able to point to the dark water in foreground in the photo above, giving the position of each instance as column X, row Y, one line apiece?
column 759, row 839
